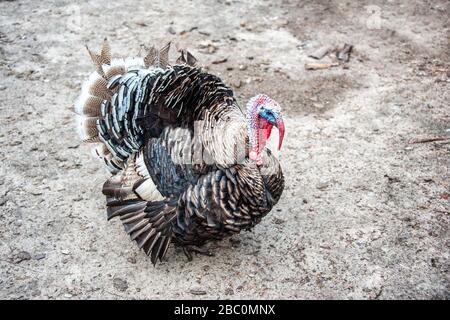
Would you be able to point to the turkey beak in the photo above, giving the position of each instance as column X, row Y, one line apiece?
column 280, row 125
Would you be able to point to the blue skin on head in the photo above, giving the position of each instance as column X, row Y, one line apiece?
column 268, row 115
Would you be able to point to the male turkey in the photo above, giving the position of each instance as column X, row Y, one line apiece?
column 187, row 165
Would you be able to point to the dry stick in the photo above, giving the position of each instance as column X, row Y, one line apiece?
column 319, row 66
column 425, row 140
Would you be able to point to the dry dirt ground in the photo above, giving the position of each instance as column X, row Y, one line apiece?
column 365, row 212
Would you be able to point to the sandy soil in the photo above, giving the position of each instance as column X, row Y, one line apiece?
column 365, row 212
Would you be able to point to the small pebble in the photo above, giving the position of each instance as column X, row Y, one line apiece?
column 237, row 83
column 120, row 284
column 278, row 221
column 171, row 30
column 229, row 291
column 21, row 256
column 322, row 185
column 198, row 292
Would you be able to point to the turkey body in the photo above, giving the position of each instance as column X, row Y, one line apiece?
column 176, row 144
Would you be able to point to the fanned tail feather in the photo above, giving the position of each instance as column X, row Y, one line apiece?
column 105, row 113
column 92, row 105
column 187, row 58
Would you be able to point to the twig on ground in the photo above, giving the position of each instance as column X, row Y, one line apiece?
column 319, row 66
column 432, row 139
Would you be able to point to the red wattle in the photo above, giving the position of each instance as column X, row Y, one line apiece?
column 268, row 130
column 265, row 128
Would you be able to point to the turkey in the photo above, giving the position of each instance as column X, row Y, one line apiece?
column 187, row 165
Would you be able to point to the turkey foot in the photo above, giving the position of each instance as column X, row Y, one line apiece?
column 189, row 249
